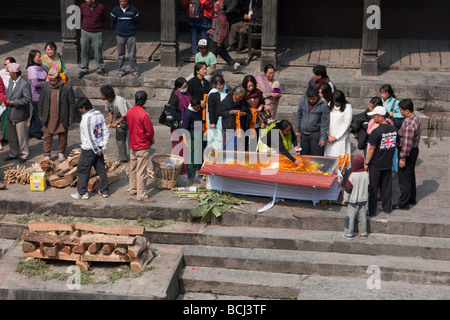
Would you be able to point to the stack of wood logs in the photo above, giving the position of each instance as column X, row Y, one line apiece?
column 65, row 173
column 85, row 243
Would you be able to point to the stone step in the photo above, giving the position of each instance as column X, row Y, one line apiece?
column 411, row 270
column 332, row 288
column 248, row 283
column 6, row 245
column 307, row 240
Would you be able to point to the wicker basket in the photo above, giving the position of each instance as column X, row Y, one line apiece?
column 166, row 175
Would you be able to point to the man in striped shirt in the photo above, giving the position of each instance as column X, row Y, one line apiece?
column 409, row 150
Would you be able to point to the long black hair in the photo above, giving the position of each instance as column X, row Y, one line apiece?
column 31, row 56
column 339, row 96
column 388, row 89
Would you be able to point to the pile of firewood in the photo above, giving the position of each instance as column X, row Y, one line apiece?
column 21, row 174
column 84, row 244
column 64, row 174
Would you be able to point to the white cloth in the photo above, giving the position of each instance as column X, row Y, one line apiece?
column 93, row 131
column 340, row 129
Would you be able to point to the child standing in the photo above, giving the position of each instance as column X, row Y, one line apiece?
column 192, row 115
column 390, row 103
column 356, row 195
column 218, row 33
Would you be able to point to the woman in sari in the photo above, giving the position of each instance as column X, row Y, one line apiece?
column 51, row 59
column 271, row 89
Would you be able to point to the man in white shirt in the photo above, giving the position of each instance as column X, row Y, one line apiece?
column 117, row 108
column 94, row 140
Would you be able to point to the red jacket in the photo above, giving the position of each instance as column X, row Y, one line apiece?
column 140, row 128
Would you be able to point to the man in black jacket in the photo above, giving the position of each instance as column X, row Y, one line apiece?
column 312, row 123
column 56, row 110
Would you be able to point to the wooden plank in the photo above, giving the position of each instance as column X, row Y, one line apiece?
column 395, row 54
column 414, row 54
column 104, row 258
column 445, row 55
column 49, row 239
column 103, row 238
column 324, row 57
column 50, row 226
column 435, row 54
column 425, row 57
column 405, row 58
column 305, row 51
column 315, row 51
column 59, row 256
column 119, row 230
column 335, row 54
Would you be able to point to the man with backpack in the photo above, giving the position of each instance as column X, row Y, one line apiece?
column 200, row 14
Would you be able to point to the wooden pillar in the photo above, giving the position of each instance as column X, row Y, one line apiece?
column 371, row 25
column 70, row 26
column 169, row 33
column 269, row 33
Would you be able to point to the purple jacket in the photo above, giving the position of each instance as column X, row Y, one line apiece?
column 36, row 76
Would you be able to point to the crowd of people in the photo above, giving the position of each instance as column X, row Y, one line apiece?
column 239, row 118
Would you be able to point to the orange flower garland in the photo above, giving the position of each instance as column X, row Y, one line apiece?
column 344, row 161
column 253, row 123
column 204, row 123
column 238, row 125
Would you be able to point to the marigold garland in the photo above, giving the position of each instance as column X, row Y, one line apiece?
column 238, row 125
column 204, row 123
column 253, row 123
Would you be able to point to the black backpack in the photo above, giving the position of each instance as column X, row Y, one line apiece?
column 195, row 10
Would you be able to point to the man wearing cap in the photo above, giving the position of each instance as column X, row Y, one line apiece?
column 382, row 145
column 18, row 99
column 206, row 56
column 141, row 139
column 56, row 110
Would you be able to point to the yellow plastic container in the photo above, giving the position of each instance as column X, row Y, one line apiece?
column 38, row 182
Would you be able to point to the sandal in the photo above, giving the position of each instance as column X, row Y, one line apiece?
column 363, row 237
column 347, row 237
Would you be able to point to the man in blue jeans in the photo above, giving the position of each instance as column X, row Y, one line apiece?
column 126, row 17
column 93, row 17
